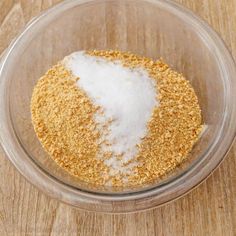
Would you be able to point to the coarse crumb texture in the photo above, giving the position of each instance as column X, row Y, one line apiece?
column 175, row 124
column 63, row 118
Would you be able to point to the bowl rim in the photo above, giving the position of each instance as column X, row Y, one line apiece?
column 155, row 195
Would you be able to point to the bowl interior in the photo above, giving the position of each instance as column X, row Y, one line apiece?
column 142, row 27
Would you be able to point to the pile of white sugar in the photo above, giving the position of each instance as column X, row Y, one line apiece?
column 127, row 98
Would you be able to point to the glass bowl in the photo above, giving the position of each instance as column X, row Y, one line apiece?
column 152, row 28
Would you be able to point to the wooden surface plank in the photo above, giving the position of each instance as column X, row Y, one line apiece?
column 210, row 209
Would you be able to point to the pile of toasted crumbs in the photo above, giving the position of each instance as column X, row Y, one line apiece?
column 62, row 116
column 63, row 119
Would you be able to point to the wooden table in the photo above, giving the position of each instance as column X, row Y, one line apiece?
column 210, row 209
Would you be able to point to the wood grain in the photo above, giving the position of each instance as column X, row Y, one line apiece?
column 210, row 209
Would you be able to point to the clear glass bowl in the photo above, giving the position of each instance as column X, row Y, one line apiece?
column 152, row 28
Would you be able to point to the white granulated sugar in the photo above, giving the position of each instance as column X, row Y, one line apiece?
column 126, row 96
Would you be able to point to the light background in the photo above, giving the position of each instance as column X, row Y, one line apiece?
column 210, row 209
